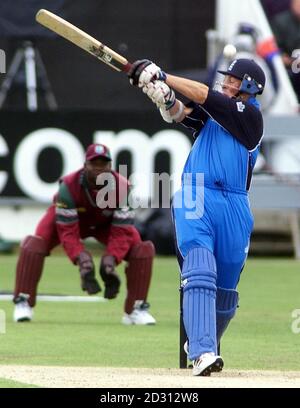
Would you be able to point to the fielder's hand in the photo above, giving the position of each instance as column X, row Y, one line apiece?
column 110, row 277
column 160, row 94
column 87, row 273
column 144, row 71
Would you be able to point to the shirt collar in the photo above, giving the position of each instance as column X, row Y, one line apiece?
column 253, row 101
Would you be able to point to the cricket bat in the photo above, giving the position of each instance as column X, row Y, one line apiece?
column 82, row 40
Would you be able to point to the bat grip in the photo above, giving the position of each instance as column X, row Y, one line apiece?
column 126, row 68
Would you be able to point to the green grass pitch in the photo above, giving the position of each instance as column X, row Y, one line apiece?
column 90, row 334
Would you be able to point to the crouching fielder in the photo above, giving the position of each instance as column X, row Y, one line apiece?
column 211, row 212
column 90, row 203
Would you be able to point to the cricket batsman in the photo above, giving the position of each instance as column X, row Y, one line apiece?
column 213, row 236
column 91, row 202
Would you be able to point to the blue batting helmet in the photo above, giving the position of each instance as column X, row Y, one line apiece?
column 250, row 73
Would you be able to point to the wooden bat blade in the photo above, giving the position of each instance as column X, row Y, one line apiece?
column 83, row 40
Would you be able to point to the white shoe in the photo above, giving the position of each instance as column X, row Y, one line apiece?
column 23, row 312
column 139, row 315
column 206, row 364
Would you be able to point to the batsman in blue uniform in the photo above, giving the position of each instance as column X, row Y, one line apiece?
column 211, row 212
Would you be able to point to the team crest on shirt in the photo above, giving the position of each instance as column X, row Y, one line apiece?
column 240, row 106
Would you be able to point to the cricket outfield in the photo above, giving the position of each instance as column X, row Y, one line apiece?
column 83, row 344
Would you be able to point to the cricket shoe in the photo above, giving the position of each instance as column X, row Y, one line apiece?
column 139, row 315
column 23, row 312
column 206, row 364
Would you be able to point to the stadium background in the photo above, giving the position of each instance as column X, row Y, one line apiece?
column 91, row 97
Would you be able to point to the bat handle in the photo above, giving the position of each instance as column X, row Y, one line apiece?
column 126, row 68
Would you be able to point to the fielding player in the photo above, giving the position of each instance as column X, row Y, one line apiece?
column 213, row 240
column 88, row 207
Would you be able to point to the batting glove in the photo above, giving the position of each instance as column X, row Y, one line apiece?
column 144, row 71
column 151, row 73
column 160, row 94
column 136, row 70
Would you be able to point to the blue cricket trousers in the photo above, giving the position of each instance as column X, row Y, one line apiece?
column 218, row 220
